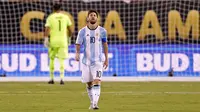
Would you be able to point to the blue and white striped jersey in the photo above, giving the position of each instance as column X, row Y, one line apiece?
column 92, row 40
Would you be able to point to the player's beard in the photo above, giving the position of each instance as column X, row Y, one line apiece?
column 92, row 22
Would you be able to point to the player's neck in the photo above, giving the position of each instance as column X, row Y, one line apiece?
column 92, row 26
column 58, row 11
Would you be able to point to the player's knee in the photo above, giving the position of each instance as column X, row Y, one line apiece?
column 52, row 67
column 89, row 84
column 62, row 67
column 97, row 82
column 52, row 58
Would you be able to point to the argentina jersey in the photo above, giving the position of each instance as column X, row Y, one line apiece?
column 92, row 40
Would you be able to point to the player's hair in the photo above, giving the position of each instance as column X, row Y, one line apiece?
column 57, row 7
column 92, row 11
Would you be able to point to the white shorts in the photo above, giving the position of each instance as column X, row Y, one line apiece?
column 92, row 72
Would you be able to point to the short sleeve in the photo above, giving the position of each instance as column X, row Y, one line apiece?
column 79, row 39
column 104, row 35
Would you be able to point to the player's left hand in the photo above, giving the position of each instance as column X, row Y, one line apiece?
column 69, row 41
column 105, row 64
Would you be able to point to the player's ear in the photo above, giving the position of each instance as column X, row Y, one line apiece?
column 87, row 19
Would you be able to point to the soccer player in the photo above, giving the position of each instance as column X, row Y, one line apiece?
column 94, row 40
column 57, row 25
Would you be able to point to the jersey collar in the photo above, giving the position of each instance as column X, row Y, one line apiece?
column 93, row 29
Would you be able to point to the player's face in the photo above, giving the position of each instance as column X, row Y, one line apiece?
column 92, row 18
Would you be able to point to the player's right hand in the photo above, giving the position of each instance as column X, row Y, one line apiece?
column 46, row 42
column 105, row 64
column 77, row 57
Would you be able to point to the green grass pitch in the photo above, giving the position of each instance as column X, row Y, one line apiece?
column 115, row 97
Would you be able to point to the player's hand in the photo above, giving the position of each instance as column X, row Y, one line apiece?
column 46, row 42
column 77, row 57
column 105, row 64
column 69, row 41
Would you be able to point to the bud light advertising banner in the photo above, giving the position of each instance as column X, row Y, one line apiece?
column 32, row 60
column 124, row 60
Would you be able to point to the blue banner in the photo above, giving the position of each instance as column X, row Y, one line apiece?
column 32, row 60
column 124, row 60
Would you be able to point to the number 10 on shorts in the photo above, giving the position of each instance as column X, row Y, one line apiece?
column 99, row 74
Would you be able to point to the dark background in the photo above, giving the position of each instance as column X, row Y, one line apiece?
column 131, row 16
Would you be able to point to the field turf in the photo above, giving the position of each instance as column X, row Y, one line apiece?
column 115, row 97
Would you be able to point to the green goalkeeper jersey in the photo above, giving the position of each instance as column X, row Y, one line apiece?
column 58, row 23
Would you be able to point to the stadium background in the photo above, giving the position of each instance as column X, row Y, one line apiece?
column 150, row 58
column 22, row 52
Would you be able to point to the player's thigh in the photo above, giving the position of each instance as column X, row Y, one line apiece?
column 97, row 70
column 52, row 52
column 86, row 75
column 62, row 52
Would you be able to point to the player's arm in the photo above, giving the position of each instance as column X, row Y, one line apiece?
column 78, row 52
column 69, row 29
column 79, row 41
column 105, row 48
column 46, row 33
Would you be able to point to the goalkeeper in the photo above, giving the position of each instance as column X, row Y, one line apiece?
column 57, row 26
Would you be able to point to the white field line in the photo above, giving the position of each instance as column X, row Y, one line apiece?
column 28, row 92
column 144, row 93
column 106, row 79
column 111, row 92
